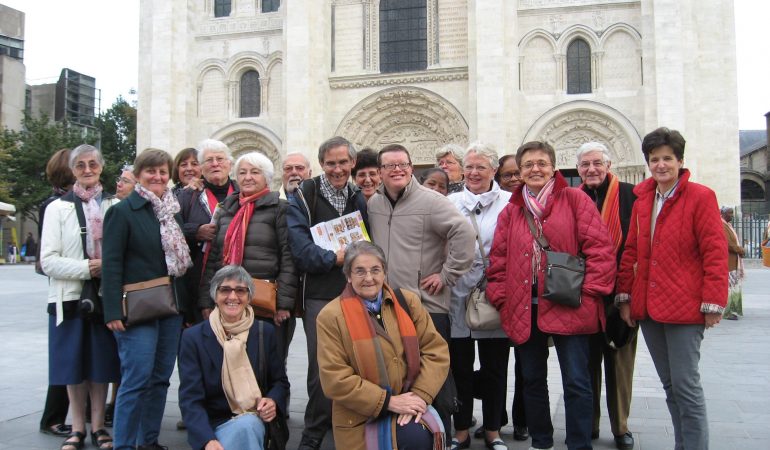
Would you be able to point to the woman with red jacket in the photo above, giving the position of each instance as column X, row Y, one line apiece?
column 571, row 223
column 673, row 278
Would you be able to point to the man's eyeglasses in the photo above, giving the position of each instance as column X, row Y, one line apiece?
column 391, row 166
column 297, row 167
column 219, row 160
column 240, row 291
column 374, row 271
column 529, row 165
column 588, row 164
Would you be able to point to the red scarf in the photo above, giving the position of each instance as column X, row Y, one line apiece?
column 611, row 211
column 235, row 238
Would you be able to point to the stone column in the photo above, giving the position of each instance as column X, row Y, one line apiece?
column 307, row 66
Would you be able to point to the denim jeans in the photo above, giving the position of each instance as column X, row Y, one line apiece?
column 245, row 431
column 573, row 354
column 147, row 355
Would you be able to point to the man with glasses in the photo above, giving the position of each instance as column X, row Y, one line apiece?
column 320, row 199
column 428, row 243
column 614, row 199
column 296, row 168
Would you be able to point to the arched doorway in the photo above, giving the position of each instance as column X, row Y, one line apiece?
column 244, row 137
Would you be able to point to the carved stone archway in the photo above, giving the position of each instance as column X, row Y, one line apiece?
column 420, row 120
column 244, row 137
column 568, row 126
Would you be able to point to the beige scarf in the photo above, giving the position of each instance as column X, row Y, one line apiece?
column 238, row 379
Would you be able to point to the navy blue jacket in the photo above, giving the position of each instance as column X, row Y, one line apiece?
column 201, row 397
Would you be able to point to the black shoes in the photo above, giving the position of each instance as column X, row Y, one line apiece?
column 520, row 433
column 457, row 445
column 309, row 443
column 625, row 441
column 57, row 430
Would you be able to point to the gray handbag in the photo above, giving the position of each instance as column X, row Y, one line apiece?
column 564, row 273
column 479, row 313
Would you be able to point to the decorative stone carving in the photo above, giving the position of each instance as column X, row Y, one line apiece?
column 538, row 4
column 221, row 27
column 418, row 119
column 432, row 75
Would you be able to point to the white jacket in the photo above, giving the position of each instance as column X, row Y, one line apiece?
column 61, row 254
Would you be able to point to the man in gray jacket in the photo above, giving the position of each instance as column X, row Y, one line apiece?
column 427, row 242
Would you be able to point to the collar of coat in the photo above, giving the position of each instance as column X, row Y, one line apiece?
column 559, row 185
column 646, row 189
column 411, row 187
column 231, row 202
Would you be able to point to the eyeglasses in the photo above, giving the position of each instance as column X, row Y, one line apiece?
column 391, row 166
column 124, row 180
column 374, row 271
column 298, row 168
column 529, row 165
column 508, row 176
column 588, row 164
column 81, row 166
column 219, row 160
column 479, row 169
column 240, row 291
column 331, row 165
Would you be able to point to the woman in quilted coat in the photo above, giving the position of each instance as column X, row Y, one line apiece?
column 570, row 222
column 673, row 278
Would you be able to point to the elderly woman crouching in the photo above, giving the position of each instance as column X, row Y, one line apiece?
column 232, row 380
column 384, row 361
column 82, row 352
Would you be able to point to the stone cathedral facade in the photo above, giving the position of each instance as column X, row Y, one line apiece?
column 277, row 76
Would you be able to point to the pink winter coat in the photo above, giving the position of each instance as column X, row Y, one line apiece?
column 684, row 265
column 572, row 224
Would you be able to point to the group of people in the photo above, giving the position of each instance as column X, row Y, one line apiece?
column 390, row 353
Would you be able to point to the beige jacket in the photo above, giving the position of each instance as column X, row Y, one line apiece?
column 424, row 234
column 355, row 400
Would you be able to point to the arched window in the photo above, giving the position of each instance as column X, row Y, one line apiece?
column 578, row 67
column 403, row 35
column 270, row 5
column 250, row 94
column 222, row 8
column 750, row 190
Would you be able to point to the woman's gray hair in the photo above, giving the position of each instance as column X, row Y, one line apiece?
column 486, row 150
column 85, row 149
column 589, row 147
column 128, row 167
column 231, row 272
column 212, row 145
column 359, row 248
column 455, row 150
column 258, row 160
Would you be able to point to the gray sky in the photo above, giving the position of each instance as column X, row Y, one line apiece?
column 99, row 38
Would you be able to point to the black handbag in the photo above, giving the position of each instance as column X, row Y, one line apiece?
column 277, row 430
column 90, row 303
column 564, row 273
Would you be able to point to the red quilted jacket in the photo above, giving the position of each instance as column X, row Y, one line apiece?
column 571, row 223
column 685, row 265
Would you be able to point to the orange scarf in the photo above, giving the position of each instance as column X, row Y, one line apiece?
column 611, row 211
column 235, row 238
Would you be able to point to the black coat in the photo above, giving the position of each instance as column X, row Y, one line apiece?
column 266, row 253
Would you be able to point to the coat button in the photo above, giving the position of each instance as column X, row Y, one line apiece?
column 526, row 308
column 653, row 284
column 654, row 263
column 526, row 281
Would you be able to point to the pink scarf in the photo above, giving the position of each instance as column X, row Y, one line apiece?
column 93, row 215
column 175, row 248
column 536, row 205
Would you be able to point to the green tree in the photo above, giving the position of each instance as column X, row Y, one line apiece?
column 24, row 154
column 117, row 127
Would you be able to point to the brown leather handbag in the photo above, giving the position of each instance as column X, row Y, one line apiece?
column 149, row 300
column 263, row 299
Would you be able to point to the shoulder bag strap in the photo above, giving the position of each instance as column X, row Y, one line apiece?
column 262, row 377
column 478, row 240
column 402, row 301
column 82, row 222
column 541, row 240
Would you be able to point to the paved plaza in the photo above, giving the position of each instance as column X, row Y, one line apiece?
column 735, row 371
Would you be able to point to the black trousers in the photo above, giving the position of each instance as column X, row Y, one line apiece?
column 57, row 403
column 444, row 328
column 493, row 356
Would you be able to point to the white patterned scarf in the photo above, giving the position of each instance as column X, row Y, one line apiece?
column 93, row 214
column 174, row 245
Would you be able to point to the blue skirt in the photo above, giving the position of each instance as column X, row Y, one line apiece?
column 80, row 350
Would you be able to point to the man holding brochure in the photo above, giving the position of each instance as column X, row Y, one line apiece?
column 321, row 199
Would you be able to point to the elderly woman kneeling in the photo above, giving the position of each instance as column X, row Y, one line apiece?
column 222, row 374
column 383, row 360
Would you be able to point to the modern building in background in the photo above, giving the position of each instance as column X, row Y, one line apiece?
column 279, row 76
column 12, row 71
column 73, row 99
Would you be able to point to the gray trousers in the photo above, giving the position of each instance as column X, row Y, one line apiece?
column 318, row 413
column 675, row 351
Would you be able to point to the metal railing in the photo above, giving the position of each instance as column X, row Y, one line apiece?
column 751, row 233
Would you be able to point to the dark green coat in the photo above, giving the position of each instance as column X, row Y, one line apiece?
column 131, row 252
